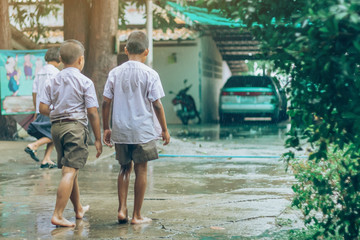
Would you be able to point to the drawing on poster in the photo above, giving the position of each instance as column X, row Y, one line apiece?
column 18, row 69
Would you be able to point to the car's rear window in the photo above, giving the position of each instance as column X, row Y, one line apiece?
column 248, row 81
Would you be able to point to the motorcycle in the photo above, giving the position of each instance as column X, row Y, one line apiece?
column 184, row 105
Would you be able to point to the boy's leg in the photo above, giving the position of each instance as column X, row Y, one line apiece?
column 63, row 195
column 75, row 199
column 35, row 145
column 139, row 191
column 49, row 149
column 123, row 186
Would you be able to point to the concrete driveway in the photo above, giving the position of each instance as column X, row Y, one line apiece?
column 188, row 197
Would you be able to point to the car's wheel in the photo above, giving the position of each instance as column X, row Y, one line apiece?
column 283, row 115
column 276, row 116
column 240, row 119
column 223, row 118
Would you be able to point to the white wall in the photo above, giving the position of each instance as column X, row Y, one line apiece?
column 212, row 79
column 226, row 72
column 172, row 74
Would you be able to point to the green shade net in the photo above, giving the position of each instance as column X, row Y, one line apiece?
column 203, row 16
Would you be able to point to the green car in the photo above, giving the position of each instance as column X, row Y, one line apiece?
column 252, row 96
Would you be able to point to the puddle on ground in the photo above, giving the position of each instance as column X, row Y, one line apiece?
column 185, row 196
column 230, row 131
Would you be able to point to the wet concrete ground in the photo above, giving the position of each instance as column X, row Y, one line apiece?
column 188, row 197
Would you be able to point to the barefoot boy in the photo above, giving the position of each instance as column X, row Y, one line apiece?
column 74, row 101
column 136, row 90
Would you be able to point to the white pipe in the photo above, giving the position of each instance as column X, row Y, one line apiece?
column 149, row 32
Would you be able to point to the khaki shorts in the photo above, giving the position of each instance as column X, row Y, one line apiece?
column 138, row 153
column 71, row 143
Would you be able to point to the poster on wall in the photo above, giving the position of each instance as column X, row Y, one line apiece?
column 17, row 72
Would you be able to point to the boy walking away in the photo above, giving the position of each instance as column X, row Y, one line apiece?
column 74, row 101
column 138, row 119
column 41, row 127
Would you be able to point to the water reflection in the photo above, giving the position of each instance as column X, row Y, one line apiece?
column 81, row 230
column 213, row 132
column 180, row 190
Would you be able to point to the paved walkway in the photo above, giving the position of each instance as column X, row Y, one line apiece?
column 188, row 198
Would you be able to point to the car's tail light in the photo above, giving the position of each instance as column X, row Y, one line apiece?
column 225, row 93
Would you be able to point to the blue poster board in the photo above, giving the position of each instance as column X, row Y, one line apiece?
column 17, row 72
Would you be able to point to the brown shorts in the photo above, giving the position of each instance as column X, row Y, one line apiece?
column 138, row 153
column 71, row 143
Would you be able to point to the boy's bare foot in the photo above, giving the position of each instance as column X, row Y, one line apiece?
column 80, row 214
column 123, row 217
column 61, row 222
column 141, row 220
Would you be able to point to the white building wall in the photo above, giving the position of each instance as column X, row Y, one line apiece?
column 212, row 79
column 226, row 72
column 172, row 73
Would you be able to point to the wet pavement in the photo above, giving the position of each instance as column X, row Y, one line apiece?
column 194, row 197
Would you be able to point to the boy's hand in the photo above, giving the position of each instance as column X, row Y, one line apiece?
column 165, row 137
column 107, row 137
column 98, row 147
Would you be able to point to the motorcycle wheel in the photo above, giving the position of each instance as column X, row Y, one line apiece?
column 198, row 117
column 184, row 120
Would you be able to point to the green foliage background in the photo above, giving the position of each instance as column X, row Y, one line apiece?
column 30, row 19
column 318, row 44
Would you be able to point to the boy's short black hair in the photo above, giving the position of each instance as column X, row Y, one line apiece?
column 137, row 42
column 70, row 50
column 52, row 54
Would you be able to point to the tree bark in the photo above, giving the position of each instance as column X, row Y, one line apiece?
column 7, row 123
column 5, row 33
column 76, row 21
column 101, row 57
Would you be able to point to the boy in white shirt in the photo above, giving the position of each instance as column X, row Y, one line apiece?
column 73, row 99
column 41, row 127
column 138, row 119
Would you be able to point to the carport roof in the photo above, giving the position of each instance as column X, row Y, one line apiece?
column 234, row 42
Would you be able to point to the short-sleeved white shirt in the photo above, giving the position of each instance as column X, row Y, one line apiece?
column 46, row 72
column 133, row 86
column 70, row 93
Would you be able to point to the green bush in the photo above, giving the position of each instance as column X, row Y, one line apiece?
column 328, row 193
column 318, row 44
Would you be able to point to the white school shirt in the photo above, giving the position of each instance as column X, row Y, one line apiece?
column 46, row 72
column 70, row 93
column 133, row 86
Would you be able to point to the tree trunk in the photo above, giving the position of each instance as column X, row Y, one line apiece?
column 101, row 57
column 5, row 33
column 76, row 21
column 7, row 123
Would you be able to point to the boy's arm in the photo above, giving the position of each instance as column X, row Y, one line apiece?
column 94, row 119
column 160, row 114
column 106, row 116
column 44, row 109
column 34, row 102
column 34, row 99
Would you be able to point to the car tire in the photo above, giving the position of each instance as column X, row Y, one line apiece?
column 275, row 118
column 240, row 119
column 223, row 118
column 283, row 115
